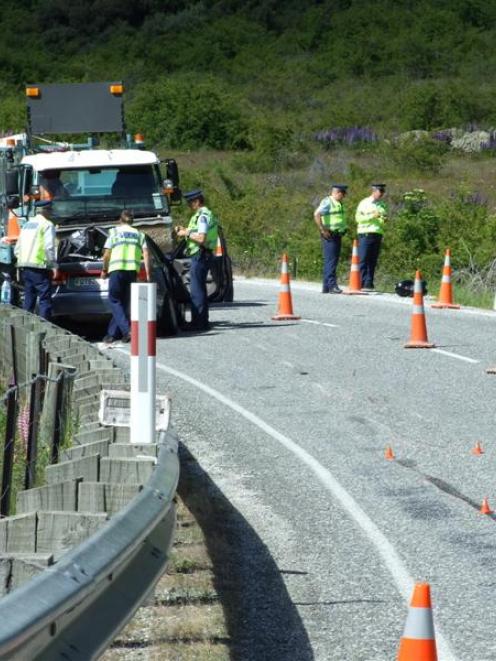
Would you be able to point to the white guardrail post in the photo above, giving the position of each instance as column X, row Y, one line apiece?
column 143, row 358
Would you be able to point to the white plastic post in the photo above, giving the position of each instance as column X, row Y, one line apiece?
column 143, row 357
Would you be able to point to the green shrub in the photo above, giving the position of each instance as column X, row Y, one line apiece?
column 418, row 154
column 12, row 112
column 439, row 104
column 188, row 113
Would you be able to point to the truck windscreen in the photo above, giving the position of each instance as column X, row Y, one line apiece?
column 103, row 192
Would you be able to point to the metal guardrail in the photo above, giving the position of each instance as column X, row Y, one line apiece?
column 74, row 609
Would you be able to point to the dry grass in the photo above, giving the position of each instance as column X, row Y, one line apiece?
column 177, row 651
column 184, row 620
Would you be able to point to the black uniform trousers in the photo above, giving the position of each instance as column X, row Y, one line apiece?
column 369, row 247
column 331, row 249
column 119, row 297
column 200, row 265
column 37, row 286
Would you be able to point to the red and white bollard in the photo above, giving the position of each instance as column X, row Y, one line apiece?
column 143, row 358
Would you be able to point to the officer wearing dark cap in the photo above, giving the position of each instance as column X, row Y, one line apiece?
column 371, row 215
column 36, row 259
column 201, row 240
column 330, row 218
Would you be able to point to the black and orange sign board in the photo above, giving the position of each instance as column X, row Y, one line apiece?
column 75, row 108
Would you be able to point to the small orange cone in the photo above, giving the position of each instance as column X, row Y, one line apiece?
column 13, row 228
column 445, row 299
column 477, row 449
column 485, row 509
column 355, row 282
column 285, row 306
column 418, row 642
column 388, row 453
column 418, row 336
column 219, row 252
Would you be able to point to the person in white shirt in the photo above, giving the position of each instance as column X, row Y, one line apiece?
column 371, row 215
column 36, row 253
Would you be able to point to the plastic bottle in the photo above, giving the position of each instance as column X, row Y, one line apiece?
column 6, row 291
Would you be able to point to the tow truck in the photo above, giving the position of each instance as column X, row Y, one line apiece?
column 89, row 186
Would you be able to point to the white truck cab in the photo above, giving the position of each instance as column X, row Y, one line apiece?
column 93, row 186
column 88, row 185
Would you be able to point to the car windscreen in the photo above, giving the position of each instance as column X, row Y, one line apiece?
column 104, row 192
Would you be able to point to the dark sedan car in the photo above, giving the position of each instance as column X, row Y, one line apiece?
column 80, row 294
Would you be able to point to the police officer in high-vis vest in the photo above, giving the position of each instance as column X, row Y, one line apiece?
column 371, row 214
column 124, row 248
column 330, row 218
column 201, row 240
column 36, row 254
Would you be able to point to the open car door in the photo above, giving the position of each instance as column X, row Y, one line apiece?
column 219, row 279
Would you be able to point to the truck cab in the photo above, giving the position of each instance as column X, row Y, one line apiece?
column 88, row 187
column 92, row 187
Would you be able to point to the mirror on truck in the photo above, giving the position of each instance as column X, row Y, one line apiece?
column 172, row 177
column 12, row 182
column 172, row 171
column 12, row 201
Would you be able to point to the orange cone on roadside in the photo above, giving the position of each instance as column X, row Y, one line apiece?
column 13, row 228
column 445, row 299
column 485, row 509
column 477, row 449
column 418, row 336
column 388, row 453
column 219, row 252
column 418, row 642
column 285, row 305
column 355, row 282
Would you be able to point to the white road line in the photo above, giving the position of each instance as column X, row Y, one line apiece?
column 319, row 323
column 392, row 560
column 456, row 355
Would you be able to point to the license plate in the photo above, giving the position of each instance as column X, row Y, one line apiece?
column 85, row 283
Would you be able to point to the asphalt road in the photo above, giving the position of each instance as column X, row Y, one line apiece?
column 291, row 419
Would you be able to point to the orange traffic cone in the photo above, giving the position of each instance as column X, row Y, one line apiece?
column 285, row 306
column 418, row 642
column 445, row 299
column 219, row 252
column 477, row 449
column 13, row 229
column 418, row 337
column 388, row 453
column 485, row 509
column 355, row 283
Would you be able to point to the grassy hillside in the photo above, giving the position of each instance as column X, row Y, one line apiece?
column 265, row 102
column 390, row 64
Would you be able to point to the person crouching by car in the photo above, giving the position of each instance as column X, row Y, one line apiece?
column 201, row 240
column 124, row 248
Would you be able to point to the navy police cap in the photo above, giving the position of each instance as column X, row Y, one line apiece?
column 193, row 194
column 340, row 187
